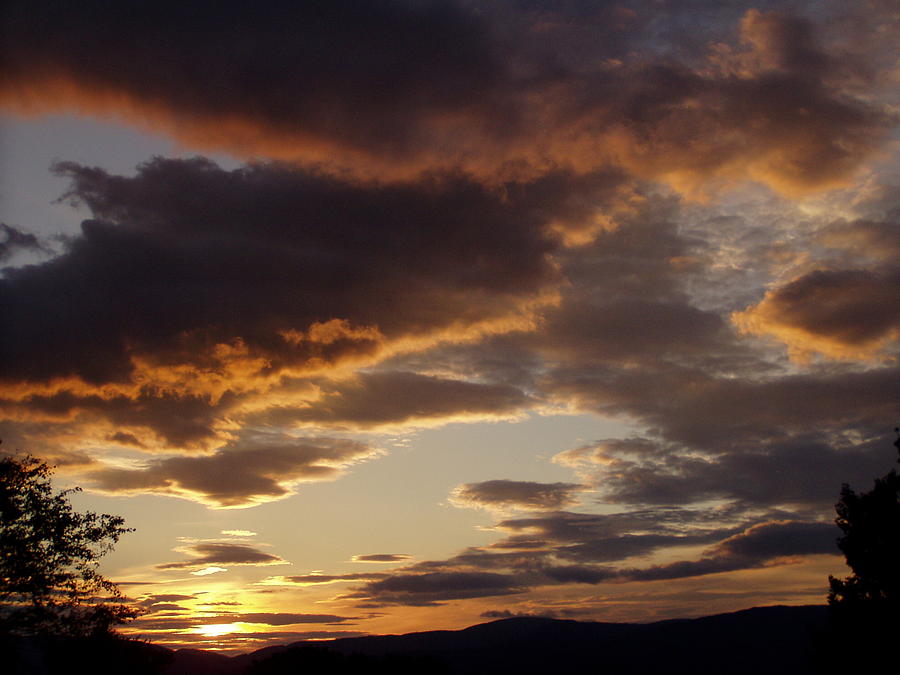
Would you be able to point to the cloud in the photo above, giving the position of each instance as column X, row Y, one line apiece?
column 384, row 98
column 382, row 557
column 759, row 545
column 385, row 262
column 369, row 77
column 839, row 304
column 436, row 587
column 507, row 614
column 184, row 623
column 766, row 543
column 811, row 421
column 180, row 316
column 844, row 314
column 209, row 553
column 17, row 240
column 316, row 579
column 589, row 537
column 800, row 470
column 878, row 240
column 277, row 618
column 165, row 417
column 206, row 571
column 404, row 398
column 244, row 473
column 515, row 494
column 155, row 602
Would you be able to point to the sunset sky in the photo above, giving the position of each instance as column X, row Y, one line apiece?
column 378, row 317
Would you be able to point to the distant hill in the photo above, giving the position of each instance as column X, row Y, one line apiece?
column 771, row 640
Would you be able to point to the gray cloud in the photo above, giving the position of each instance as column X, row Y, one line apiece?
column 764, row 543
column 801, row 469
column 878, row 240
column 756, row 546
column 844, row 312
column 771, row 103
column 437, row 587
column 382, row 557
column 383, row 398
column 221, row 553
column 276, row 618
column 515, row 494
column 313, row 579
column 384, row 256
column 16, row 240
column 258, row 469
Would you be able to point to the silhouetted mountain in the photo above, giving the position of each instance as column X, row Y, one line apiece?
column 772, row 640
column 200, row 662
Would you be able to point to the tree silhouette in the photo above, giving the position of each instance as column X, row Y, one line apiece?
column 870, row 522
column 865, row 606
column 49, row 553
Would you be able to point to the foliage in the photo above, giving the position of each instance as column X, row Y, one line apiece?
column 870, row 522
column 865, row 606
column 49, row 554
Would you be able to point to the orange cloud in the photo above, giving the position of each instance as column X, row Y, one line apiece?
column 241, row 474
column 841, row 314
column 772, row 111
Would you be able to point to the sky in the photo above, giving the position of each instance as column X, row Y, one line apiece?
column 379, row 317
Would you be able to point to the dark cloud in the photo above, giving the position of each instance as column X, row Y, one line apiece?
column 784, row 42
column 238, row 642
column 812, row 422
column 370, row 76
column 757, row 546
column 165, row 597
column 519, row 542
column 587, row 537
column 515, row 494
column 125, row 438
column 313, row 579
column 801, row 469
column 15, row 240
column 842, row 313
column 765, row 543
column 255, row 470
column 219, row 553
column 164, row 607
column 373, row 85
column 276, row 618
column 211, row 280
column 507, row 614
column 382, row 557
column 172, row 418
column 183, row 623
column 384, row 398
column 437, row 587
column 878, row 240
column 579, row 574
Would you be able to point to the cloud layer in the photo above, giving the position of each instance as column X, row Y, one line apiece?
column 241, row 474
column 372, row 87
column 515, row 494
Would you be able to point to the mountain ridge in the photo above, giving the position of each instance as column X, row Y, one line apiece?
column 777, row 638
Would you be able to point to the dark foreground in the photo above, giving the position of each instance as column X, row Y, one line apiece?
column 771, row 640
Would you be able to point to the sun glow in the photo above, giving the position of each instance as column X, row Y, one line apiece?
column 217, row 629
